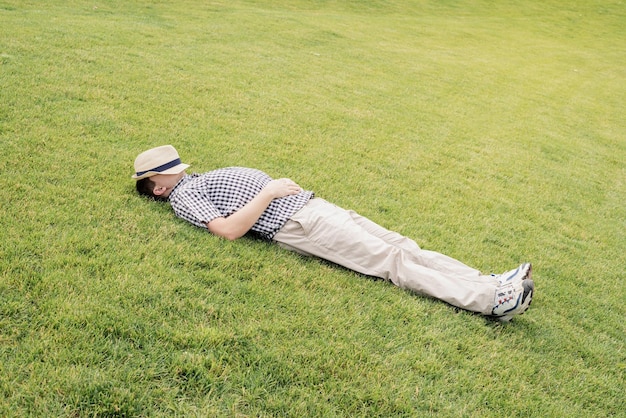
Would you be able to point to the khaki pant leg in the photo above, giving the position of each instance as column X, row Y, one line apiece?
column 326, row 231
column 430, row 259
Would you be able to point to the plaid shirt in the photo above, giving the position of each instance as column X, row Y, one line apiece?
column 200, row 198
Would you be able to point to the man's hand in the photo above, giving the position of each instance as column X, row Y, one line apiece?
column 282, row 187
column 240, row 222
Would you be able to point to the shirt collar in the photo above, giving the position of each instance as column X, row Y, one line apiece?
column 182, row 181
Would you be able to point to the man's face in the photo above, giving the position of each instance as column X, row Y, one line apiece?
column 164, row 183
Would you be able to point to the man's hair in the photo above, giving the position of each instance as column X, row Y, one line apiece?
column 145, row 187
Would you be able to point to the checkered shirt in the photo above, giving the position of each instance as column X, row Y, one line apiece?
column 200, row 198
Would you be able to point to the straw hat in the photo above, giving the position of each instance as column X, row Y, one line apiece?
column 159, row 160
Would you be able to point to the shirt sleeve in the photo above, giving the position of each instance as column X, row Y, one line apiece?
column 194, row 207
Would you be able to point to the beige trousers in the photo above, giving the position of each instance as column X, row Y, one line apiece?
column 344, row 237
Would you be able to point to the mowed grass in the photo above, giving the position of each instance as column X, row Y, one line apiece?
column 493, row 132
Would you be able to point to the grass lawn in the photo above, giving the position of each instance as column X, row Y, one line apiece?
column 493, row 132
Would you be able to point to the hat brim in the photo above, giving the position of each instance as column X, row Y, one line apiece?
column 174, row 170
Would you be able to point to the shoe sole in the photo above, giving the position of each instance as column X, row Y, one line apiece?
column 529, row 273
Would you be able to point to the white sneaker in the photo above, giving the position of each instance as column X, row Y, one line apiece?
column 515, row 293
column 524, row 271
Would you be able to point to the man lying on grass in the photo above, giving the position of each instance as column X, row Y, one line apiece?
column 231, row 202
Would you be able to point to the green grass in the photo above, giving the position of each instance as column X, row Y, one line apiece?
column 493, row 132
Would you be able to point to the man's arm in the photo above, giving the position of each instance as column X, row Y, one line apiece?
column 240, row 222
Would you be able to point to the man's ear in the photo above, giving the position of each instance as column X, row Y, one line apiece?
column 159, row 190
